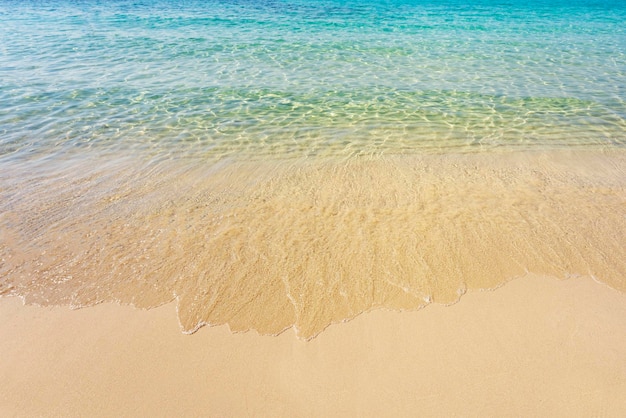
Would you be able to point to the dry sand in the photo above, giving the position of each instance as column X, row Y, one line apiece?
column 535, row 347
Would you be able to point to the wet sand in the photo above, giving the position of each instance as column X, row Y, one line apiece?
column 269, row 245
column 535, row 347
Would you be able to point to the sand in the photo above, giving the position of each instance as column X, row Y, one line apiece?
column 534, row 347
column 266, row 245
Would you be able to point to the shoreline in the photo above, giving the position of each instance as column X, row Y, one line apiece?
column 536, row 346
column 267, row 246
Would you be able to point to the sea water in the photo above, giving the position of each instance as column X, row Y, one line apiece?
column 270, row 164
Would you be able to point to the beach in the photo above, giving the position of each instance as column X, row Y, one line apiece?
column 312, row 208
column 535, row 347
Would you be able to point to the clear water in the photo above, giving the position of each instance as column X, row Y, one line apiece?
column 271, row 164
column 293, row 78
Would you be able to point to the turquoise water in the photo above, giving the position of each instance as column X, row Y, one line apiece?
column 305, row 78
column 277, row 164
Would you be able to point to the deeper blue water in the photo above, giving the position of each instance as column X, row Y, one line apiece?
column 276, row 79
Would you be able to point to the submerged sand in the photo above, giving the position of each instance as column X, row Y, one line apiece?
column 269, row 245
column 534, row 347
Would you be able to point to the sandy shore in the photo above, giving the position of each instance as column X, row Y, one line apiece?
column 536, row 346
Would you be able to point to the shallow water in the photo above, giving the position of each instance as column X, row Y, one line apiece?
column 296, row 163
